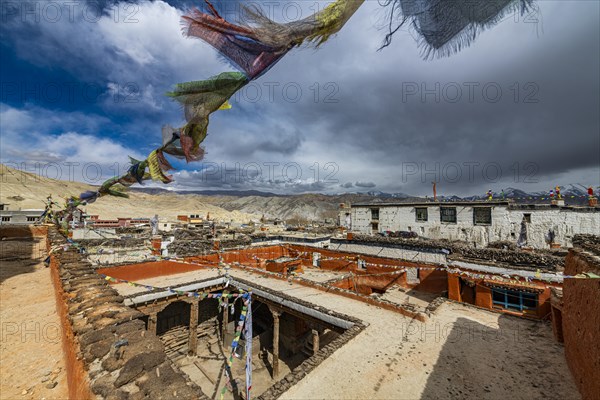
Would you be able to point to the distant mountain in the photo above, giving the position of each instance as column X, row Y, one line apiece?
column 24, row 190
column 315, row 206
column 235, row 193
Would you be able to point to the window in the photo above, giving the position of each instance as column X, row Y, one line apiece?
column 448, row 214
column 514, row 300
column 527, row 218
column 32, row 219
column 375, row 214
column 5, row 219
column 421, row 214
column 482, row 215
column 375, row 227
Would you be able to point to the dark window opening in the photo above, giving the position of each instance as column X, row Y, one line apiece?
column 375, row 214
column 448, row 214
column 527, row 217
column 5, row 219
column 31, row 219
column 375, row 226
column 482, row 216
column 421, row 214
column 514, row 300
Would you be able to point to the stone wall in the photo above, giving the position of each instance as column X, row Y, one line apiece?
column 581, row 317
column 109, row 353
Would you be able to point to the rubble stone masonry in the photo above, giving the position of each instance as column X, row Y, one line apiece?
column 109, row 353
column 581, row 316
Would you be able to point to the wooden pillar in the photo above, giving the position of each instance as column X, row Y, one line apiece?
column 225, row 318
column 152, row 320
column 193, row 339
column 276, row 315
column 315, row 340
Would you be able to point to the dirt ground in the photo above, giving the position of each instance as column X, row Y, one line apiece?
column 31, row 356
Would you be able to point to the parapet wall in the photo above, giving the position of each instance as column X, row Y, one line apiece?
column 109, row 353
column 23, row 231
column 436, row 251
column 581, row 319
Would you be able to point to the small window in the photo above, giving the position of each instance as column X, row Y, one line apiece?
column 448, row 214
column 32, row 219
column 482, row 215
column 421, row 214
column 375, row 227
column 375, row 214
column 5, row 219
column 362, row 264
column 527, row 218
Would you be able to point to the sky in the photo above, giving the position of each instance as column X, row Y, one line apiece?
column 83, row 83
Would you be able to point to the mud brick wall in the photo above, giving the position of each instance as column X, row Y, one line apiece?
column 432, row 281
column 109, row 354
column 581, row 319
column 20, row 231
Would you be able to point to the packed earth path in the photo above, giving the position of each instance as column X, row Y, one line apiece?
column 31, row 355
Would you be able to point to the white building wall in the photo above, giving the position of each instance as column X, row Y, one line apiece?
column 565, row 222
column 505, row 226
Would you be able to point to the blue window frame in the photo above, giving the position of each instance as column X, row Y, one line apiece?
column 514, row 300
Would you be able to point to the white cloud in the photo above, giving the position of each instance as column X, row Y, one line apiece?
column 138, row 46
column 32, row 136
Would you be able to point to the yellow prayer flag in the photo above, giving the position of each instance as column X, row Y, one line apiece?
column 225, row 106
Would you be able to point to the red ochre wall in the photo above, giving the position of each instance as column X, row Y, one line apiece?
column 249, row 257
column 454, row 287
column 483, row 296
column 146, row 270
column 581, row 324
column 77, row 380
column 432, row 281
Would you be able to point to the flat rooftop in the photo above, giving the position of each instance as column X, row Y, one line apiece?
column 460, row 351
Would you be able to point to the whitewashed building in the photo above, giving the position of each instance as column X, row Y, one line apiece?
column 19, row 217
column 477, row 223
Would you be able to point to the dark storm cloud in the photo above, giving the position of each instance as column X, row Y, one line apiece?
column 517, row 107
column 521, row 100
column 365, row 184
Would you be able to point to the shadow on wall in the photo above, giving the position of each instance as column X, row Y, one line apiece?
column 512, row 358
column 174, row 315
column 21, row 248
